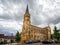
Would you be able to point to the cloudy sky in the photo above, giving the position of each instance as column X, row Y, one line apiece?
column 43, row 12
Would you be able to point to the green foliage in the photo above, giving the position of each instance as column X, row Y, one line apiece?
column 5, row 41
column 17, row 37
column 56, row 34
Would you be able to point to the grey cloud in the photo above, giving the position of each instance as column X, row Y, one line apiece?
column 7, row 7
column 36, row 11
column 5, row 16
column 7, row 31
column 55, row 20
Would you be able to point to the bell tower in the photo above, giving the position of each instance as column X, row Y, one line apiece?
column 26, row 21
column 26, row 25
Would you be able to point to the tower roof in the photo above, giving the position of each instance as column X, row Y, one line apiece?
column 27, row 10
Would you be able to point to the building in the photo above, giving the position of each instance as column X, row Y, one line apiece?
column 31, row 32
column 6, row 39
column 1, row 38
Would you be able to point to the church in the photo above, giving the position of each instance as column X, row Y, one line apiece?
column 31, row 32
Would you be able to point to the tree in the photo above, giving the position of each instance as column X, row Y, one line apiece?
column 56, row 33
column 59, row 34
column 17, row 36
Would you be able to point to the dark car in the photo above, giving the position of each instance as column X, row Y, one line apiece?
column 32, row 41
column 47, row 42
column 29, row 42
column 38, row 41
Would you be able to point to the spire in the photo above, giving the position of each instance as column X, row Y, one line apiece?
column 27, row 10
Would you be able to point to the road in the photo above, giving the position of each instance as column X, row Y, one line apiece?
column 29, row 44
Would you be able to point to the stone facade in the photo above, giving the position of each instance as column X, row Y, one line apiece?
column 30, row 32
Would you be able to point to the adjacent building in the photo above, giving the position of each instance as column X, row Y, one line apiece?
column 9, row 39
column 1, row 37
column 6, row 39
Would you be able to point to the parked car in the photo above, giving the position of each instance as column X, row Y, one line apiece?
column 29, row 42
column 47, row 41
column 32, row 41
column 38, row 41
